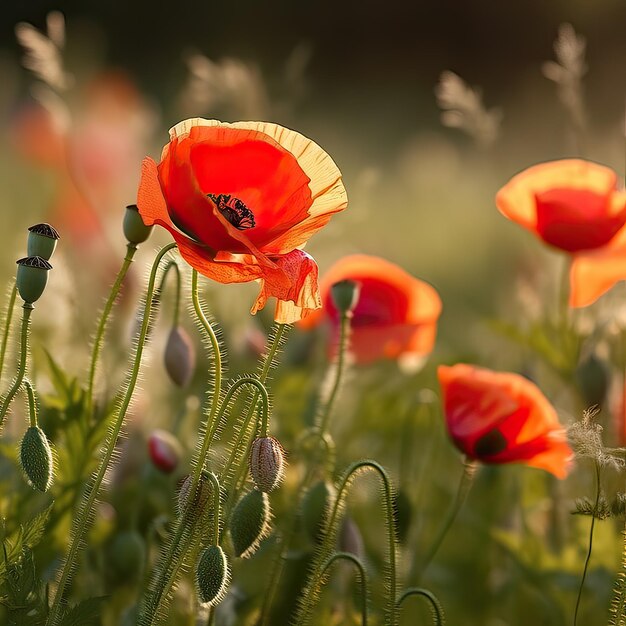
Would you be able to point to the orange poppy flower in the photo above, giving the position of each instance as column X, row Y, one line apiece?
column 499, row 417
column 396, row 315
column 240, row 201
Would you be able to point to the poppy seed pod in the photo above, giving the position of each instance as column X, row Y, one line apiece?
column 212, row 576
column 135, row 230
column 198, row 503
column 32, row 277
column 266, row 463
column 315, row 509
column 127, row 555
column 164, row 450
column 36, row 458
column 180, row 357
column 249, row 523
column 42, row 241
column 345, row 295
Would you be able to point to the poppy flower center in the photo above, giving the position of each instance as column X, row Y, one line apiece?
column 234, row 210
column 490, row 443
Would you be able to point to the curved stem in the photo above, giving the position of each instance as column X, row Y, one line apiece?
column 435, row 605
column 344, row 333
column 8, row 318
column 591, row 529
column 131, row 248
column 32, row 403
column 351, row 558
column 172, row 265
column 469, row 469
column 81, row 521
column 27, row 309
column 331, row 531
column 216, row 506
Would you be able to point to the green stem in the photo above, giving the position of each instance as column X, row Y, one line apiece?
column 391, row 618
column 216, row 506
column 469, row 469
column 164, row 582
column 435, row 605
column 81, row 521
column 172, row 265
column 32, row 404
column 591, row 529
column 27, row 309
column 131, row 248
column 7, row 326
column 351, row 558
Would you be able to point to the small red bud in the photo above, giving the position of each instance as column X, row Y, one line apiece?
column 165, row 450
column 266, row 463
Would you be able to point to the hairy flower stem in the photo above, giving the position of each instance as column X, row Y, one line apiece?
column 469, row 470
column 27, row 309
column 85, row 510
column 8, row 318
column 435, row 605
column 591, row 529
column 168, row 568
column 351, row 558
column 32, row 404
column 330, row 535
column 131, row 248
column 172, row 265
column 319, row 432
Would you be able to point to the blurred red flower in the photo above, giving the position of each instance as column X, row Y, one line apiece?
column 240, row 201
column 396, row 315
column 573, row 205
column 499, row 417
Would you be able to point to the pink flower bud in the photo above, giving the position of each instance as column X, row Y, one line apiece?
column 164, row 450
column 180, row 356
column 266, row 463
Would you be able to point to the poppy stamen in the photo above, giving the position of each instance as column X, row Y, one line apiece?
column 234, row 210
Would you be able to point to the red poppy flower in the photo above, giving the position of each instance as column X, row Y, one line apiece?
column 240, row 201
column 498, row 417
column 396, row 315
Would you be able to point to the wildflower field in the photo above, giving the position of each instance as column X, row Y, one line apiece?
column 301, row 326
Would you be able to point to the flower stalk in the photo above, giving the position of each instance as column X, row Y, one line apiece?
column 8, row 318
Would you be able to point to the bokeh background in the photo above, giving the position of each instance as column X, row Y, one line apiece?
column 360, row 79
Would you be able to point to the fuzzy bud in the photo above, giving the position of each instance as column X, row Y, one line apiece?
column 164, row 450
column 212, row 576
column 266, row 463
column 135, row 230
column 315, row 509
column 198, row 503
column 42, row 241
column 345, row 295
column 180, row 357
column 127, row 555
column 36, row 458
column 32, row 277
column 249, row 523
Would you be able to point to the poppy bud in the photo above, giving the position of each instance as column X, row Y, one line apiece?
column 350, row 539
column 42, row 240
column 345, row 295
column 402, row 513
column 198, row 503
column 180, row 357
column 36, row 458
column 127, row 555
column 592, row 379
column 249, row 523
column 32, row 276
column 315, row 509
column 135, row 230
column 212, row 575
column 164, row 450
column 266, row 463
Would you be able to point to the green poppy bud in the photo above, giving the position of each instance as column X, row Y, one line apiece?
column 212, row 576
column 42, row 240
column 36, row 458
column 345, row 295
column 127, row 555
column 249, row 523
column 199, row 502
column 266, row 463
column 32, row 276
column 180, row 356
column 135, row 230
column 315, row 511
